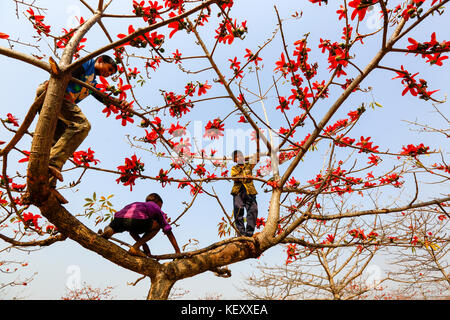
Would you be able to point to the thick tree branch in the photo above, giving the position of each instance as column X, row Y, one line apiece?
column 25, row 58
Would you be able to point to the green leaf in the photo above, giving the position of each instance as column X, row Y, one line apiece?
column 378, row 105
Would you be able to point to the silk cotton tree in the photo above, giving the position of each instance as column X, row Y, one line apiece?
column 299, row 121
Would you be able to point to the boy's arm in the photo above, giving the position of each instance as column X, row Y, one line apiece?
column 255, row 159
column 257, row 147
column 173, row 241
column 78, row 73
column 99, row 98
column 110, row 100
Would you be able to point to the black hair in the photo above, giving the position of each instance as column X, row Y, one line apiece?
column 154, row 197
column 236, row 153
column 108, row 60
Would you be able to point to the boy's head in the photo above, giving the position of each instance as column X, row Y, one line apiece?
column 105, row 66
column 238, row 156
column 155, row 198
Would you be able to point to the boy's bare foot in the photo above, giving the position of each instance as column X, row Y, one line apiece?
column 136, row 252
column 55, row 172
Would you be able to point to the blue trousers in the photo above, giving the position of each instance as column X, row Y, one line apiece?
column 241, row 202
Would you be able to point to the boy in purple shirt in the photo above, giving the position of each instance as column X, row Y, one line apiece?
column 142, row 217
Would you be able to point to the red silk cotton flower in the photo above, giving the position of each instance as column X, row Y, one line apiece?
column 361, row 7
column 130, row 171
column 11, row 119
column 84, row 158
column 214, row 129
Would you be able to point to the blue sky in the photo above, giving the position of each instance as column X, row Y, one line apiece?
column 108, row 138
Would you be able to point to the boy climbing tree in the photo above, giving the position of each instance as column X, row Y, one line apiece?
column 244, row 192
column 72, row 126
column 141, row 217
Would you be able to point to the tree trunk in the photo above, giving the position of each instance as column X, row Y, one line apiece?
column 160, row 287
column 37, row 173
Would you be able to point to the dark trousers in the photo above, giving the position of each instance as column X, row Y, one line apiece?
column 243, row 201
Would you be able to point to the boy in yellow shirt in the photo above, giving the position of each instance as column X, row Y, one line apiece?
column 244, row 192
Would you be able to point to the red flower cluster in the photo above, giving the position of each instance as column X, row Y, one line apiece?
column 412, row 86
column 331, row 129
column 151, row 137
column 319, row 1
column 153, row 63
column 251, row 57
column 174, row 4
column 200, row 170
column 189, row 89
column 445, row 168
column 137, row 42
column 301, row 95
column 366, row 145
column 18, row 187
column 177, row 56
column 228, row 31
column 194, row 188
column 338, row 56
column 177, row 130
column 2, row 201
column 284, row 104
column 301, row 51
column 84, row 158
column 11, row 119
column 342, row 141
column 130, row 171
column 64, row 40
column 260, row 222
column 158, row 130
column 182, row 147
column 373, row 159
column 361, row 7
column 392, row 179
column 338, row 176
column 125, row 116
column 177, row 104
column 292, row 253
column 214, row 129
column 358, row 233
column 149, row 13
column 202, row 87
column 236, row 67
column 38, row 23
column 176, row 25
column 283, row 66
column 430, row 50
column 329, row 239
column 163, row 177
column 412, row 10
column 31, row 218
column 413, row 151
